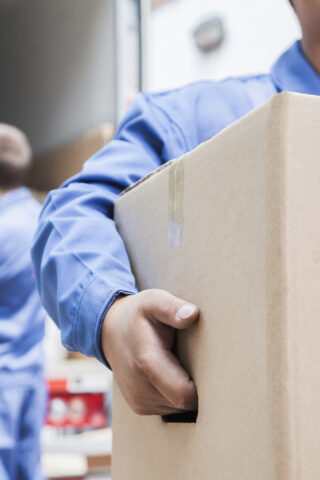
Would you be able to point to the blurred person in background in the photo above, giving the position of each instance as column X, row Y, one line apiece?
column 81, row 264
column 22, row 389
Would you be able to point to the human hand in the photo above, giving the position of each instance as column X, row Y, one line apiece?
column 137, row 338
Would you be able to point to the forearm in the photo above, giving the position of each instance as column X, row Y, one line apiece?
column 81, row 264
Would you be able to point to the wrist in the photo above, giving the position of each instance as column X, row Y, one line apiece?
column 110, row 325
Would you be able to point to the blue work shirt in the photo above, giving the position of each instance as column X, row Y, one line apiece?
column 80, row 260
column 21, row 314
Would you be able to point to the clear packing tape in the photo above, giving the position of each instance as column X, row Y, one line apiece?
column 175, row 204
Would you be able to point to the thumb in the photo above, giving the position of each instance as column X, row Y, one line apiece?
column 168, row 309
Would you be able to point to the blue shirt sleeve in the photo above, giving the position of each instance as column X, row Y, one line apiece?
column 80, row 261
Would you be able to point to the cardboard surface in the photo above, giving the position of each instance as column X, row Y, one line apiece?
column 234, row 226
column 52, row 169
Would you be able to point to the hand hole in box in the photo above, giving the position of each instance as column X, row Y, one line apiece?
column 185, row 417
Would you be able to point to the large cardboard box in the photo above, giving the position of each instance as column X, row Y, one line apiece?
column 234, row 226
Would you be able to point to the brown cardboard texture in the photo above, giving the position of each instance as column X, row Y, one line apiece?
column 234, row 227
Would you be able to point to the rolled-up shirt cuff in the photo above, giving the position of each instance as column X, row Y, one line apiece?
column 93, row 306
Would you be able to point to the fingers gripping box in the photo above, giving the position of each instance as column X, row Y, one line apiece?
column 234, row 227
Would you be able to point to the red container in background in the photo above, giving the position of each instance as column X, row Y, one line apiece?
column 77, row 410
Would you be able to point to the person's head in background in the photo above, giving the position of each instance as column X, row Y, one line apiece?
column 15, row 158
column 308, row 13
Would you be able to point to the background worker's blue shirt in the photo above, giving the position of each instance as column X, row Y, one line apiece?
column 80, row 260
column 21, row 314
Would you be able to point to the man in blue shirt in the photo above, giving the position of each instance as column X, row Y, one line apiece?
column 22, row 390
column 82, row 269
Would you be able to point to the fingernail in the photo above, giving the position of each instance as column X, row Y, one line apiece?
column 185, row 311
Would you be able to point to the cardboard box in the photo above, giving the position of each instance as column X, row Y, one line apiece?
column 234, row 226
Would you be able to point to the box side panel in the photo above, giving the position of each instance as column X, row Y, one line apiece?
column 303, row 273
column 228, row 260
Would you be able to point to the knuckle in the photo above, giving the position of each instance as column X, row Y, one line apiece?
column 166, row 308
column 181, row 403
column 145, row 297
column 135, row 402
column 139, row 402
column 183, row 397
column 143, row 362
column 152, row 295
column 149, row 294
column 138, row 409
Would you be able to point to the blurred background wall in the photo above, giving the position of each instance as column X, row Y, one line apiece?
column 57, row 77
column 256, row 32
column 69, row 65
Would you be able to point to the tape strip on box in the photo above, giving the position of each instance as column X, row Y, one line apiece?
column 175, row 204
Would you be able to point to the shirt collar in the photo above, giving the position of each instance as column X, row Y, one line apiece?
column 14, row 196
column 293, row 72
